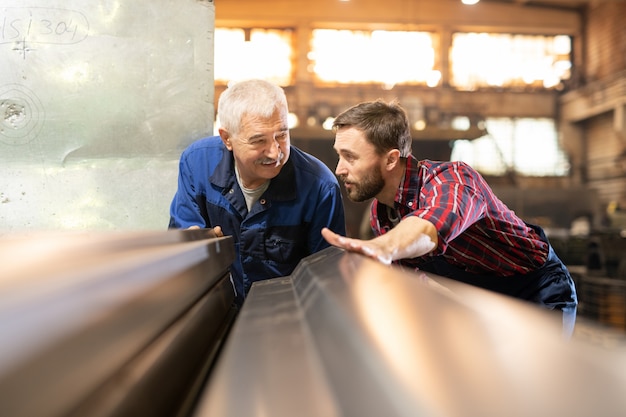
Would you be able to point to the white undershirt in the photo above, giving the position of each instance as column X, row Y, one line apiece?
column 251, row 194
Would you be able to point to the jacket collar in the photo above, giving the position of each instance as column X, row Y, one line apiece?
column 282, row 187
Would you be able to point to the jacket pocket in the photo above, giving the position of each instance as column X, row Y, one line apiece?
column 286, row 244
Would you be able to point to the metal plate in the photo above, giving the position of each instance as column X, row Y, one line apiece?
column 344, row 335
column 75, row 309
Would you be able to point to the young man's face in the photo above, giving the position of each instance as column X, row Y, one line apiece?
column 261, row 148
column 359, row 166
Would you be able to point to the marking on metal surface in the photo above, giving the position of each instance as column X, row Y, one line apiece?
column 22, row 114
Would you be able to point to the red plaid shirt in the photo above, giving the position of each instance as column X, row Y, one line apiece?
column 477, row 232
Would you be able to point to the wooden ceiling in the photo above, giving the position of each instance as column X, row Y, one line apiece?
column 515, row 16
column 557, row 4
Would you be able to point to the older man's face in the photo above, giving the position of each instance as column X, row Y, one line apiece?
column 261, row 148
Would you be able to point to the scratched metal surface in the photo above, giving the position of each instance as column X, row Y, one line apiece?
column 97, row 100
column 345, row 336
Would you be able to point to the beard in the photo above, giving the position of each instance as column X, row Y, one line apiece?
column 369, row 187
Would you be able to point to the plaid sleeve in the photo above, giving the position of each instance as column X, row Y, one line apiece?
column 450, row 200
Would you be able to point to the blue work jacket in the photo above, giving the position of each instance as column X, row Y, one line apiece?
column 282, row 227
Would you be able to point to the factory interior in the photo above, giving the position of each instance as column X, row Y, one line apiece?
column 570, row 179
column 105, row 312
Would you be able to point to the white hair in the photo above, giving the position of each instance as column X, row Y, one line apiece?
column 250, row 97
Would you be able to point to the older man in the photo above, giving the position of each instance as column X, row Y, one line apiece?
column 251, row 184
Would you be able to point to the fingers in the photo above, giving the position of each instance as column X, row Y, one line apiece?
column 338, row 240
column 331, row 237
column 355, row 245
column 217, row 230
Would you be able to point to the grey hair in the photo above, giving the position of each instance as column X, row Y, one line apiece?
column 250, row 97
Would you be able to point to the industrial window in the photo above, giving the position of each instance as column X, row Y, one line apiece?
column 253, row 53
column 503, row 60
column 379, row 56
column 524, row 146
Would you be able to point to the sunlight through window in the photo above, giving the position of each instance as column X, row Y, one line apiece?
column 525, row 146
column 253, row 53
column 387, row 57
column 502, row 60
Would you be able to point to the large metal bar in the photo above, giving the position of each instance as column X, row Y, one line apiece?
column 346, row 336
column 104, row 322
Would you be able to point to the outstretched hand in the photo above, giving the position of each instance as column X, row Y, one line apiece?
column 368, row 248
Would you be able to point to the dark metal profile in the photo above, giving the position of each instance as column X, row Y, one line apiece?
column 111, row 324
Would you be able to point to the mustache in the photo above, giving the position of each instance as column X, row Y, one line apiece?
column 267, row 161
